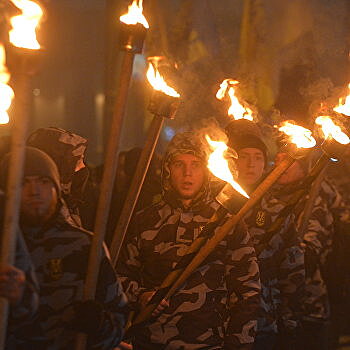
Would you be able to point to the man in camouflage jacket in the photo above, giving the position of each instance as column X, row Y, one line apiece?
column 60, row 252
column 216, row 307
column 316, row 230
column 68, row 150
column 272, row 228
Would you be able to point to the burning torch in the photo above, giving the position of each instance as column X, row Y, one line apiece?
column 22, row 59
column 236, row 109
column 133, row 28
column 164, row 104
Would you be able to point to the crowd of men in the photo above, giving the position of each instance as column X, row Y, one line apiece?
column 269, row 284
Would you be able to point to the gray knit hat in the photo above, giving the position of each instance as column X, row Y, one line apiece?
column 37, row 163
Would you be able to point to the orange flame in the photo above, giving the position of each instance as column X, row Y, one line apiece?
column 218, row 165
column 135, row 14
column 344, row 106
column 6, row 93
column 331, row 130
column 24, row 26
column 300, row 136
column 157, row 81
column 236, row 110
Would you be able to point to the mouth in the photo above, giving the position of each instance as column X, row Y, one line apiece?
column 250, row 173
column 35, row 203
column 187, row 184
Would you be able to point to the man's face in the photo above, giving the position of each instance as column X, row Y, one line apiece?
column 187, row 175
column 38, row 201
column 250, row 165
column 294, row 173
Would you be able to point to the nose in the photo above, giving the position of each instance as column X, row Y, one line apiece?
column 250, row 162
column 32, row 188
column 187, row 170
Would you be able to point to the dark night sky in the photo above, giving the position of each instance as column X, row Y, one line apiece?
column 299, row 54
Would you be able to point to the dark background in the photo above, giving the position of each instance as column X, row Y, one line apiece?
column 289, row 56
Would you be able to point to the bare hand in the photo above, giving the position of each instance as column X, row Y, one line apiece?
column 146, row 297
column 12, row 282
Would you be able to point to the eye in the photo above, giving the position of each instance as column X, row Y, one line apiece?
column 196, row 165
column 45, row 180
column 177, row 164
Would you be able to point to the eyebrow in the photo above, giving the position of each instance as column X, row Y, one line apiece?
column 257, row 153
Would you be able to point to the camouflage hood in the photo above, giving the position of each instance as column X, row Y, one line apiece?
column 64, row 147
column 184, row 143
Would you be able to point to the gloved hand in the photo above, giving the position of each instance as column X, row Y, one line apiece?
column 89, row 316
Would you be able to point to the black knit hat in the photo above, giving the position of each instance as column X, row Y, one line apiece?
column 243, row 133
column 37, row 163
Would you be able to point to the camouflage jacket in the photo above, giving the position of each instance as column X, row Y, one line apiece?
column 271, row 225
column 60, row 254
column 318, row 239
column 216, row 307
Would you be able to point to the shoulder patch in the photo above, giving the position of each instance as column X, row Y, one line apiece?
column 55, row 269
column 260, row 218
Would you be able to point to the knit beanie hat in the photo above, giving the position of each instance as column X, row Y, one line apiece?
column 37, row 163
column 243, row 133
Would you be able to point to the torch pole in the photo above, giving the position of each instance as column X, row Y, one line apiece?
column 133, row 37
column 109, row 171
column 162, row 106
column 315, row 189
column 15, row 174
column 136, row 185
column 161, row 292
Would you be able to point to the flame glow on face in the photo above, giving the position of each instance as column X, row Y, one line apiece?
column 344, row 106
column 24, row 26
column 158, row 83
column 135, row 14
column 331, row 130
column 298, row 135
column 236, row 110
column 218, row 165
column 6, row 93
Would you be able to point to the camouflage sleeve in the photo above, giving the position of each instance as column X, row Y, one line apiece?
column 319, row 230
column 21, row 317
column 26, row 309
column 243, row 283
column 129, row 266
column 291, row 276
column 110, row 294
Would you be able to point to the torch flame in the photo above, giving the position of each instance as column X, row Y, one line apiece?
column 158, row 83
column 332, row 130
column 300, row 136
column 135, row 14
column 218, row 165
column 24, row 26
column 6, row 93
column 344, row 106
column 236, row 110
